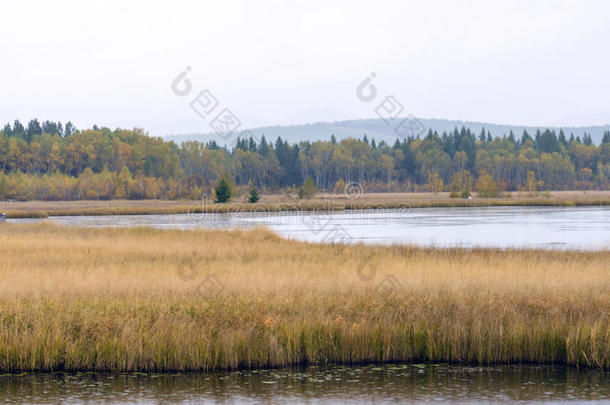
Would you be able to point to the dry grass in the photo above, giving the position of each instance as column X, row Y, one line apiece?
column 276, row 202
column 144, row 299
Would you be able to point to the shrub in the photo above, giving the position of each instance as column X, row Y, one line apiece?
column 531, row 183
column 435, row 183
column 339, row 186
column 461, row 182
column 486, row 186
column 308, row 189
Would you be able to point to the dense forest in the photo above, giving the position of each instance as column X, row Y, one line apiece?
column 53, row 161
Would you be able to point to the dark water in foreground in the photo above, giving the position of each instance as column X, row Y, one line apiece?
column 358, row 385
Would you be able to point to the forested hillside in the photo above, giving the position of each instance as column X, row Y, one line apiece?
column 384, row 130
column 53, row 161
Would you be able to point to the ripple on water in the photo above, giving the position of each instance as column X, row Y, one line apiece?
column 360, row 384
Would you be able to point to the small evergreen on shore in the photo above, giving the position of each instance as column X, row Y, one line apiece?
column 254, row 196
column 222, row 190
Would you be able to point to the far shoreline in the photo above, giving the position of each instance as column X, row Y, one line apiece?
column 286, row 203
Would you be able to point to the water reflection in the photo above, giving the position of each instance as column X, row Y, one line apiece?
column 535, row 227
column 387, row 384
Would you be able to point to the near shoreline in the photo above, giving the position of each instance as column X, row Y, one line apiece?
column 276, row 203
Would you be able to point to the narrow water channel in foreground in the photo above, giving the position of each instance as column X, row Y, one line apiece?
column 319, row 385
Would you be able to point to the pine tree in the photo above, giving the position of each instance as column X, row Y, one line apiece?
column 33, row 128
column 562, row 138
column 547, row 142
column 252, row 145
column 263, row 147
column 222, row 190
column 18, row 129
column 7, row 130
column 254, row 196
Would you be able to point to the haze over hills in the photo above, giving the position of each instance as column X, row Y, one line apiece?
column 379, row 130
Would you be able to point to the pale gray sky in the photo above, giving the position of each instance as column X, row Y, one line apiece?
column 287, row 62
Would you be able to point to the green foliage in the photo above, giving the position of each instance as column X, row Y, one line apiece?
column 223, row 190
column 55, row 161
column 254, row 196
column 308, row 189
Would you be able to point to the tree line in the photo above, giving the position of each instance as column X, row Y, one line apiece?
column 55, row 161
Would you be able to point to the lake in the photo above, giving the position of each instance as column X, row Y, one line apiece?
column 498, row 227
column 501, row 227
column 318, row 385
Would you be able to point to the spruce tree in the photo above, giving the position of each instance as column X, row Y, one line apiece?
column 222, row 190
column 254, row 196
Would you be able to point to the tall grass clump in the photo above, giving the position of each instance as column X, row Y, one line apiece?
column 167, row 300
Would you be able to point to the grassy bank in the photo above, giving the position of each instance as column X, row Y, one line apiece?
column 274, row 203
column 150, row 300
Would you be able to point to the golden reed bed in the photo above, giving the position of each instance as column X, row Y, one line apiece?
column 150, row 300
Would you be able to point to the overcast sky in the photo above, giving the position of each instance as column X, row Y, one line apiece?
column 287, row 62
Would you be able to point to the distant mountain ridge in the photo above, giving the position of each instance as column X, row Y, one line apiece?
column 379, row 130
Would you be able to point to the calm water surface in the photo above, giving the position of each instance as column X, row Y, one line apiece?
column 357, row 385
column 536, row 227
